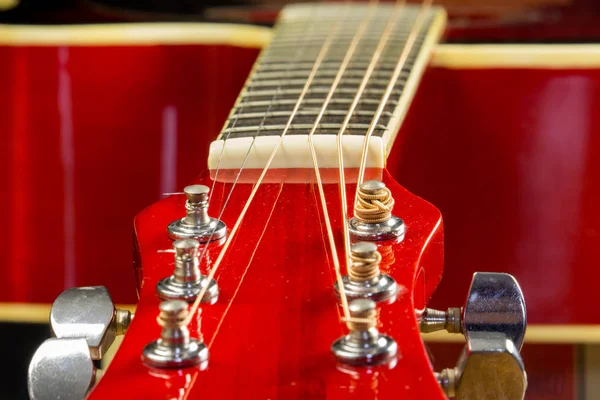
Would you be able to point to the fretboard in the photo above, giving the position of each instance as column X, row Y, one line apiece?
column 274, row 88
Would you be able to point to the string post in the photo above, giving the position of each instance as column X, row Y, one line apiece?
column 197, row 224
column 187, row 282
column 174, row 348
column 364, row 279
column 364, row 344
column 373, row 219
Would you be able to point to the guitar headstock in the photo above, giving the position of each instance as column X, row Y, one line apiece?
column 277, row 315
column 272, row 321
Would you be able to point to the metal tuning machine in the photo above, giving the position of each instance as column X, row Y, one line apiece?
column 373, row 218
column 175, row 348
column 197, row 224
column 61, row 369
column 489, row 367
column 187, row 282
column 495, row 303
column 364, row 279
column 493, row 321
column 85, row 323
column 364, row 344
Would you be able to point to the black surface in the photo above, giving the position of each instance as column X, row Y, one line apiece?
column 19, row 342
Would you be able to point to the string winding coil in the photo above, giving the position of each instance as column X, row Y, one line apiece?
column 363, row 321
column 364, row 266
column 374, row 207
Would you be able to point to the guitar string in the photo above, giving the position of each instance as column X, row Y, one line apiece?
column 323, row 51
column 402, row 59
column 342, row 185
column 238, row 108
column 408, row 47
column 343, row 66
column 288, row 69
column 241, row 280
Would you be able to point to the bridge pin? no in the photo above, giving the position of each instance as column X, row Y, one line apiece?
column 174, row 348
column 197, row 224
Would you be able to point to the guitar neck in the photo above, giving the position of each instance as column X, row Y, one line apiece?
column 277, row 100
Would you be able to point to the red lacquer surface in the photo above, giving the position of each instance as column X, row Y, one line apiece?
column 89, row 136
column 271, row 330
column 512, row 161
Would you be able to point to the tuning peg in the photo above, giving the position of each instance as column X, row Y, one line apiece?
column 495, row 303
column 88, row 313
column 373, row 218
column 490, row 367
column 61, row 369
column 175, row 348
column 197, row 224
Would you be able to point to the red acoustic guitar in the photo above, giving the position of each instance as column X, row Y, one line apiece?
column 296, row 267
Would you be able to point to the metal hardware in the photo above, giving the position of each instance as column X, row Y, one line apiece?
column 197, row 224
column 61, row 369
column 175, row 348
column 495, row 303
column 364, row 279
column 187, row 281
column 89, row 313
column 437, row 320
column 490, row 367
column 373, row 219
column 364, row 345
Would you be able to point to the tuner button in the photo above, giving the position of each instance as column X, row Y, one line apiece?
column 61, row 369
column 88, row 313
column 489, row 367
column 494, row 303
column 197, row 224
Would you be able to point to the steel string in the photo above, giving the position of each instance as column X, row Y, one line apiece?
column 343, row 66
column 408, row 47
column 323, row 51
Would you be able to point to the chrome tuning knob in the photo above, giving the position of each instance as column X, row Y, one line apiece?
column 88, row 313
column 175, row 348
column 490, row 367
column 364, row 344
column 364, row 279
column 61, row 369
column 187, row 282
column 197, row 224
column 495, row 303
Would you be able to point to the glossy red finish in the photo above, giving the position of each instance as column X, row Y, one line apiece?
column 277, row 315
column 513, row 164
column 89, row 136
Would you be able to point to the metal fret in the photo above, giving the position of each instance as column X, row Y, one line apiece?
column 316, row 90
column 316, row 82
column 350, row 73
column 309, row 112
column 300, row 129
